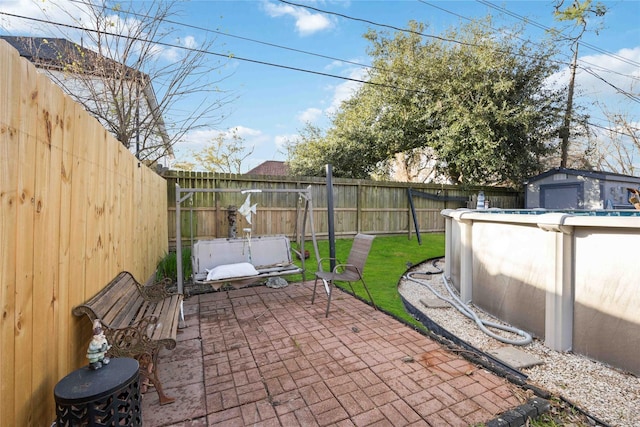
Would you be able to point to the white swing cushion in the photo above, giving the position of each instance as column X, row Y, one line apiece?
column 226, row 271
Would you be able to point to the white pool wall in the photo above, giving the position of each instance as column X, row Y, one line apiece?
column 572, row 280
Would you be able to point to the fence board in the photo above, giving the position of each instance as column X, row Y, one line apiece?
column 66, row 109
column 44, row 238
column 359, row 205
column 66, row 191
column 9, row 143
column 23, row 321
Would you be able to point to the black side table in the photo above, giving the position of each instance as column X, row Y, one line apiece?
column 109, row 396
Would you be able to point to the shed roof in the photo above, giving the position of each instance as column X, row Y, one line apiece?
column 586, row 173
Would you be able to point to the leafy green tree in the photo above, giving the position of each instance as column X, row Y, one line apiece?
column 224, row 153
column 480, row 103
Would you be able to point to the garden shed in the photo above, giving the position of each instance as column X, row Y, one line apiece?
column 562, row 188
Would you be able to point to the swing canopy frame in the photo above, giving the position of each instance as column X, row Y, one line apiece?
column 271, row 254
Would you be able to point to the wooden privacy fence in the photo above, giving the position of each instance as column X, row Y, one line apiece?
column 75, row 208
column 359, row 205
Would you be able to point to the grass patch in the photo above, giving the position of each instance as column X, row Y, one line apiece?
column 385, row 265
column 168, row 266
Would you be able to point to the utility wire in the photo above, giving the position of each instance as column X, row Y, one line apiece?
column 81, row 2
column 623, row 92
column 377, row 24
column 361, row 65
column 228, row 56
column 627, row 94
column 224, row 34
column 444, row 38
column 249, row 59
column 526, row 20
column 544, row 27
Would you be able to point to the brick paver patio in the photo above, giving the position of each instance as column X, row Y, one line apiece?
column 261, row 356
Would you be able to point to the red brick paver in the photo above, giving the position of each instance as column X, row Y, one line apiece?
column 261, row 356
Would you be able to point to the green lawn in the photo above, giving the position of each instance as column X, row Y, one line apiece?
column 386, row 263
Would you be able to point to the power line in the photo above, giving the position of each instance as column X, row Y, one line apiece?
column 377, row 24
column 344, row 60
column 227, row 56
column 621, row 91
column 526, row 20
column 609, row 129
column 546, row 28
column 221, row 33
column 431, row 35
column 313, row 53
column 305, row 52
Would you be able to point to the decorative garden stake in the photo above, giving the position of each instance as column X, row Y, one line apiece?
column 98, row 347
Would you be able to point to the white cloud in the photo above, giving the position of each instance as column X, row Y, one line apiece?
column 612, row 70
column 59, row 11
column 243, row 131
column 339, row 93
column 282, row 140
column 198, row 140
column 173, row 54
column 309, row 115
column 346, row 90
column 306, row 22
column 602, row 77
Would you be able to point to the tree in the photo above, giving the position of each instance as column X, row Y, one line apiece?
column 115, row 75
column 224, row 153
column 616, row 148
column 479, row 105
column 578, row 12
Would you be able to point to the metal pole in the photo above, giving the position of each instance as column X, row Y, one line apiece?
column 332, row 235
column 415, row 218
column 178, row 242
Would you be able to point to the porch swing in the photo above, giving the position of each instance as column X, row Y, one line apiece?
column 240, row 261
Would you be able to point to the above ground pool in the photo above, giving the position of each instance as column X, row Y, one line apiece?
column 571, row 278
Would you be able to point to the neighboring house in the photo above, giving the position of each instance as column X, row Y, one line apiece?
column 562, row 188
column 80, row 73
column 270, row 167
column 419, row 167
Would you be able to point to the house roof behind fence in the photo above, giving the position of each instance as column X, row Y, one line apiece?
column 60, row 54
column 270, row 167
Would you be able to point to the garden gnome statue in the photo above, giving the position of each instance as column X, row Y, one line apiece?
column 98, row 347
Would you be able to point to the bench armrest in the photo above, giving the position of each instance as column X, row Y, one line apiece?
column 155, row 291
column 134, row 339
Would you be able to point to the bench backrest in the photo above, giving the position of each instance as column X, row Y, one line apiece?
column 115, row 303
column 263, row 252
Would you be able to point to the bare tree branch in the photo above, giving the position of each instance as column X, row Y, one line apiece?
column 121, row 74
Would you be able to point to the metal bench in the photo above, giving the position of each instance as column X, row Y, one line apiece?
column 137, row 321
column 269, row 255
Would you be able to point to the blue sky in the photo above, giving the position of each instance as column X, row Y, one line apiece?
column 273, row 103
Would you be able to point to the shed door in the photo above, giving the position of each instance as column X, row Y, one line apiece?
column 565, row 196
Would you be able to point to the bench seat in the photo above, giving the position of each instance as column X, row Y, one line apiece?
column 137, row 320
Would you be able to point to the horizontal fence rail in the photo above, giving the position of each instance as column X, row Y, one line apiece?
column 360, row 206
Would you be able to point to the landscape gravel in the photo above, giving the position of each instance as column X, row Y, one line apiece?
column 607, row 394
